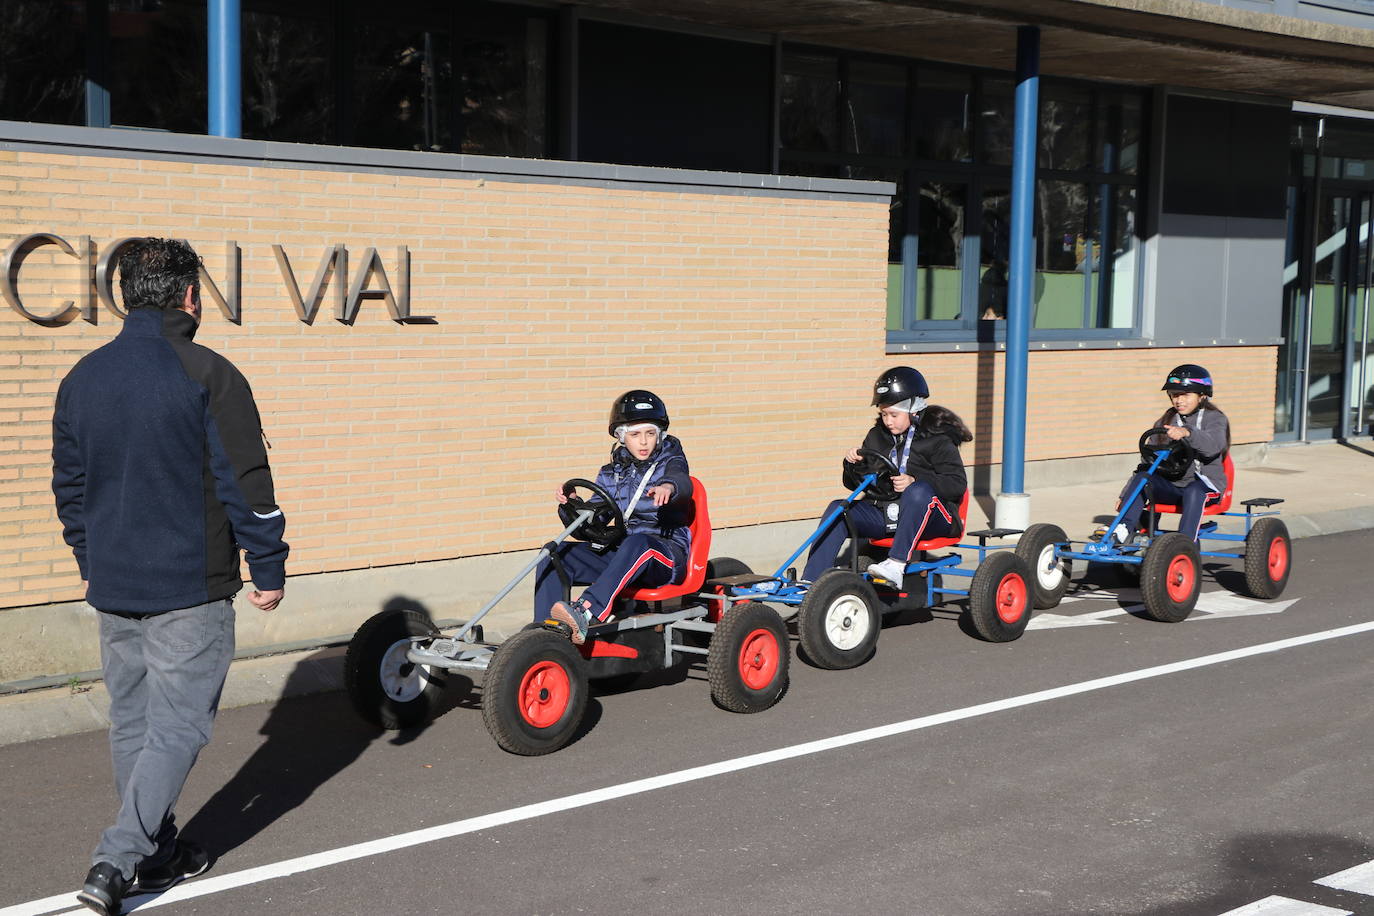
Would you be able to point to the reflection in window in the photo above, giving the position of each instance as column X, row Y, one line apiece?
column 43, row 61
column 1065, row 130
column 940, row 216
column 1119, row 127
column 943, row 104
column 810, row 101
column 404, row 75
column 875, row 116
column 997, row 121
column 503, row 60
column 158, row 65
column 994, row 253
column 1080, row 282
column 288, row 91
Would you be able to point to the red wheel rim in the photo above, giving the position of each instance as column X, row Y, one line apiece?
column 758, row 659
column 1181, row 578
column 544, row 694
column 1011, row 598
column 1278, row 558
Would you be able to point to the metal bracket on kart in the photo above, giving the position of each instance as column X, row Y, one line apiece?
column 837, row 615
column 1168, row 563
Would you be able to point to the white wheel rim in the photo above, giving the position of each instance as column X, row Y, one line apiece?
column 1049, row 571
column 846, row 622
column 401, row 681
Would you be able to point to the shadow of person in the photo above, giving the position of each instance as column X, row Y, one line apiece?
column 308, row 741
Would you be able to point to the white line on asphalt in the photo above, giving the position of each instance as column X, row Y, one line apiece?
column 218, row 883
column 1285, row 906
column 1359, row 879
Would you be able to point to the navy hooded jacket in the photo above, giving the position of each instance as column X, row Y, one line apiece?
column 666, row 464
column 160, row 473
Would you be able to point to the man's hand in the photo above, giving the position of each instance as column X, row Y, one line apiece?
column 266, row 599
column 901, row 481
column 661, row 493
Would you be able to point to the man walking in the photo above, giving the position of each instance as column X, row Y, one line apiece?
column 161, row 477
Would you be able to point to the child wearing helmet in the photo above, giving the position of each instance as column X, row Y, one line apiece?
column 647, row 476
column 923, row 441
column 1191, row 416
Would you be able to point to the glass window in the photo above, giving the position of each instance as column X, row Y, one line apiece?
column 503, row 58
column 994, row 254
column 1065, row 131
column 944, row 102
column 43, row 61
column 1119, row 131
column 158, row 65
column 403, row 86
column 1064, row 255
column 996, row 121
column 940, row 249
column 288, row 89
column 875, row 117
column 810, row 102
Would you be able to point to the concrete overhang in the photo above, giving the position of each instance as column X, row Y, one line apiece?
column 1179, row 43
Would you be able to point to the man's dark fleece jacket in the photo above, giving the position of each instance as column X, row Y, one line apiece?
column 160, row 472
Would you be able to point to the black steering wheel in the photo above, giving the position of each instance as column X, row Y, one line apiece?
column 1176, row 463
column 607, row 524
column 876, row 462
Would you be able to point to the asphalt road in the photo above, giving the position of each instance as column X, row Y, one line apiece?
column 1193, row 791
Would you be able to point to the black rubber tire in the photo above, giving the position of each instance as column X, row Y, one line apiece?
column 718, row 567
column 1268, row 558
column 1170, row 577
column 535, row 692
column 749, row 642
column 384, row 688
column 839, row 620
column 1049, row 575
column 999, row 597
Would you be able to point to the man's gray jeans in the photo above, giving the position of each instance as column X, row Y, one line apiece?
column 164, row 673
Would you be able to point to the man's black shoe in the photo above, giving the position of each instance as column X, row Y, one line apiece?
column 187, row 861
column 104, row 889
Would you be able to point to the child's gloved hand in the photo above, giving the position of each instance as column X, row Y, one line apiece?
column 661, row 493
column 852, row 456
column 901, row 481
column 1179, row 432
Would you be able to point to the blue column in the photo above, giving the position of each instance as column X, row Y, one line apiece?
column 1021, row 280
column 225, row 77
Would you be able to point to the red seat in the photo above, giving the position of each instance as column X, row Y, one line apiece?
column 936, row 543
column 1218, row 506
column 696, row 560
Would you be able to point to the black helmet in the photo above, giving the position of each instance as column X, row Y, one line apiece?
column 1189, row 377
column 638, row 406
column 900, row 383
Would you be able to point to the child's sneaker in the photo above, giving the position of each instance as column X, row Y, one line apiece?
column 578, row 617
column 891, row 570
column 1120, row 535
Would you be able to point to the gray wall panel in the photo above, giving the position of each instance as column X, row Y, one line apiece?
column 1218, row 277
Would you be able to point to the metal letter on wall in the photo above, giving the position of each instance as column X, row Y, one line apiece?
column 335, row 258
column 232, row 307
column 9, row 272
column 104, row 274
column 397, row 303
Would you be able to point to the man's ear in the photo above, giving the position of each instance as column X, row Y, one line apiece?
column 188, row 301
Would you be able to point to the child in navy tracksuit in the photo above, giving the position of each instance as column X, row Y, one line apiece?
column 923, row 441
column 648, row 478
column 1195, row 418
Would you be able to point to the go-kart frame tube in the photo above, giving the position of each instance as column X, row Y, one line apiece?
column 826, row 523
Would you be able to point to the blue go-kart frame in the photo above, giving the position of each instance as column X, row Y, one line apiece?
column 839, row 616
column 1168, row 564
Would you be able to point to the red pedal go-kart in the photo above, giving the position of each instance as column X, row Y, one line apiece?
column 535, row 684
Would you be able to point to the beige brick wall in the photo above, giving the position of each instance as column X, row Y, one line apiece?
column 758, row 318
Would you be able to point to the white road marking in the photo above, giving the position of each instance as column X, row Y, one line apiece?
column 1210, row 606
column 1359, row 879
column 1283, row 906
column 218, row 883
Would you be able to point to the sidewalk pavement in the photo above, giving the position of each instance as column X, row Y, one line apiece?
column 1327, row 488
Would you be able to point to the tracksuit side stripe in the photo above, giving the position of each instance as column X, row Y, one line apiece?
column 645, row 557
column 934, row 504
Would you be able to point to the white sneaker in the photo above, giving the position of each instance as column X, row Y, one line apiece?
column 889, row 569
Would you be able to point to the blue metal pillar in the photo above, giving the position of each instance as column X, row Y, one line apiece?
column 1013, row 506
column 225, row 77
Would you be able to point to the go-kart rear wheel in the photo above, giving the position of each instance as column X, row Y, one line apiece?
column 1268, row 558
column 535, row 692
column 746, row 661
column 999, row 597
column 384, row 687
column 1170, row 577
column 1050, row 574
column 838, row 620
column 720, row 567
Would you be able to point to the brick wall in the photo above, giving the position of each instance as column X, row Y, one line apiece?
column 758, row 318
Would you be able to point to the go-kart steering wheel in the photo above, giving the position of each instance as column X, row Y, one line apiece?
column 878, row 463
column 1176, row 463
column 607, row 524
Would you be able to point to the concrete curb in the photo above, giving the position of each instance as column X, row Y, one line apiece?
column 59, row 711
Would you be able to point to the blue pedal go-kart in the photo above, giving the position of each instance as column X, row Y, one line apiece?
column 535, row 684
column 838, row 617
column 1167, row 564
